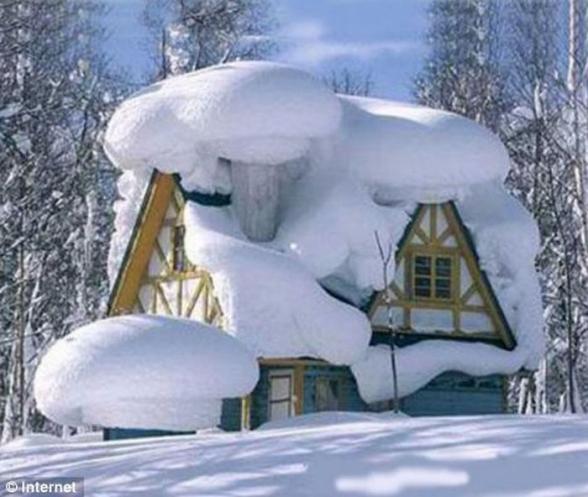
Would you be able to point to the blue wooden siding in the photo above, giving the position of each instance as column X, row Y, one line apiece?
column 454, row 394
column 260, row 397
column 450, row 394
column 231, row 415
column 126, row 433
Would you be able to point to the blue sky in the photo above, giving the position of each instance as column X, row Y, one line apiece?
column 382, row 37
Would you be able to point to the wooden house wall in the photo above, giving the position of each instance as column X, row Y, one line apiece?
column 450, row 394
column 231, row 415
column 457, row 394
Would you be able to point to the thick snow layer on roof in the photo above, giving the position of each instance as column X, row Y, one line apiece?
column 257, row 112
column 328, row 223
column 327, row 234
column 143, row 372
column 405, row 151
column 268, row 113
column 507, row 240
column 270, row 301
column 131, row 189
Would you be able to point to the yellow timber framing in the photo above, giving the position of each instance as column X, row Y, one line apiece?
column 246, row 412
column 432, row 244
column 153, row 209
column 162, row 193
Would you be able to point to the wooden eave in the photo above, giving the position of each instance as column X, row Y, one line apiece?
column 149, row 220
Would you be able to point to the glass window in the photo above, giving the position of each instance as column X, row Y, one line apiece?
column 280, row 395
column 179, row 257
column 443, row 277
column 280, row 410
column 432, row 277
column 422, row 276
column 327, row 394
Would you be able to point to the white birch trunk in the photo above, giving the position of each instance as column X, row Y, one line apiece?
column 523, row 402
column 255, row 198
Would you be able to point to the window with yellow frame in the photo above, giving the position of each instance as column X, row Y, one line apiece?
column 432, row 276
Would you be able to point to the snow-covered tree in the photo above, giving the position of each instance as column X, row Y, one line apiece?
column 349, row 82
column 186, row 35
column 57, row 192
column 528, row 129
column 462, row 71
column 505, row 69
column 545, row 137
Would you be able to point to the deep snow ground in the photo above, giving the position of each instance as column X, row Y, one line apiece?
column 324, row 455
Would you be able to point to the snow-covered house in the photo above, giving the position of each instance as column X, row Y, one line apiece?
column 266, row 192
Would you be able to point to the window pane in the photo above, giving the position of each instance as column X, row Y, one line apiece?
column 422, row 282
column 326, row 394
column 422, row 265
column 443, row 277
column 422, row 287
column 279, row 410
column 441, row 293
column 443, row 266
column 443, row 288
column 280, row 387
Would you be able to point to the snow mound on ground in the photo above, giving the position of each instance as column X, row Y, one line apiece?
column 330, row 418
column 88, row 437
column 257, row 112
column 143, row 372
column 270, row 302
column 404, row 151
column 46, row 439
column 32, row 440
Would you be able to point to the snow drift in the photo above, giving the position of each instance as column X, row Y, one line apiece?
column 143, row 372
column 333, row 455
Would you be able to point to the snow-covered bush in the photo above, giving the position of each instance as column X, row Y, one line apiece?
column 143, row 371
